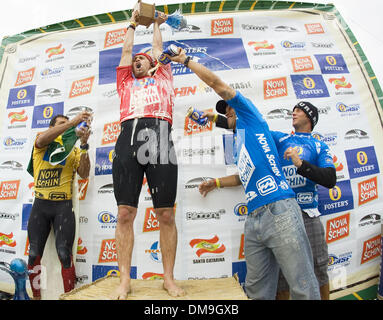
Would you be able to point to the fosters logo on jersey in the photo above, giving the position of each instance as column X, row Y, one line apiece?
column 336, row 199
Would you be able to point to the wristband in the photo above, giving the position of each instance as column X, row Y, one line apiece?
column 84, row 147
column 215, row 118
column 186, row 62
column 217, row 183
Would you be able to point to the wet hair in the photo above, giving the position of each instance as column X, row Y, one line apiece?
column 54, row 119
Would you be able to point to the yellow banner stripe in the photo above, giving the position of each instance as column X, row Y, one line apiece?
column 42, row 30
column 221, row 6
column 166, row 9
column 253, row 5
column 111, row 17
column 292, row 5
column 193, row 8
column 357, row 296
column 355, row 43
column 79, row 22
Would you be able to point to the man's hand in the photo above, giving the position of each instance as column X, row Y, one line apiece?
column 161, row 17
column 84, row 133
column 207, row 186
column 210, row 115
column 292, row 154
column 82, row 116
column 134, row 18
column 180, row 57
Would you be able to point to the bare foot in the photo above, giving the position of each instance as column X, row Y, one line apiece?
column 173, row 290
column 121, row 292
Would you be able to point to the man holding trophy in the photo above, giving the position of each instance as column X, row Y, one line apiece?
column 145, row 88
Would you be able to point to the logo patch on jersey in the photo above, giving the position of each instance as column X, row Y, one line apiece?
column 246, row 167
column 266, row 185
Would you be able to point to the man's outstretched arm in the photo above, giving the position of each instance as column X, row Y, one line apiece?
column 207, row 76
column 127, row 49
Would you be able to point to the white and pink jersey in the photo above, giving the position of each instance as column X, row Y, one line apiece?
column 147, row 97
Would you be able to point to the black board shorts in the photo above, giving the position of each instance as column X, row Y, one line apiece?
column 144, row 146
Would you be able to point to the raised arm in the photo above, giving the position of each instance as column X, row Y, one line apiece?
column 52, row 133
column 207, row 76
column 157, row 45
column 127, row 49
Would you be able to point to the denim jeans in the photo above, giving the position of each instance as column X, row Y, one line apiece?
column 275, row 237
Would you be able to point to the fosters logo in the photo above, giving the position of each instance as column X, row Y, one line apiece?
column 309, row 86
column 9, row 189
column 371, row 249
column 21, row 97
column 362, row 162
column 336, row 199
column 222, row 26
column 338, row 228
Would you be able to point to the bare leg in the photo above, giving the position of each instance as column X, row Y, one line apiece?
column 124, row 246
column 325, row 292
column 168, row 243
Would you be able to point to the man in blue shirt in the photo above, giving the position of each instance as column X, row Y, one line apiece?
column 274, row 232
column 305, row 163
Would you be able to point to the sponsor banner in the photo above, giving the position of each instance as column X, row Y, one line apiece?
column 215, row 54
column 43, row 114
column 104, row 160
column 21, row 97
column 309, row 86
column 273, row 61
column 337, row 199
column 362, row 162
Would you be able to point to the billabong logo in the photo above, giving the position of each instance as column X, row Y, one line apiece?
column 266, row 185
column 207, row 246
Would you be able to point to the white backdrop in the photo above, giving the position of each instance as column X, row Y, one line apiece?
column 275, row 58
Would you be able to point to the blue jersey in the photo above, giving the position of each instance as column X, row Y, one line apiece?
column 310, row 149
column 256, row 156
